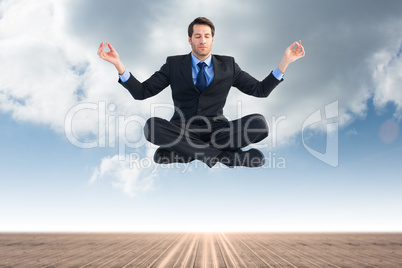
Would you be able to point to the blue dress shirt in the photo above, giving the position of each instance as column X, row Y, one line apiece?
column 209, row 71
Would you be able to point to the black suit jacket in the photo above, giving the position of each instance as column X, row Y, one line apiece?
column 187, row 99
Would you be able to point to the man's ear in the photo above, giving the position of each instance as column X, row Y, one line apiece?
column 189, row 40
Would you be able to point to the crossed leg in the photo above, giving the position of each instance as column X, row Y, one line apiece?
column 206, row 139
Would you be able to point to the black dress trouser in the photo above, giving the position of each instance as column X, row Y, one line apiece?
column 204, row 138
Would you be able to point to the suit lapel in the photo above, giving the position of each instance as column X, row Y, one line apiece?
column 218, row 69
column 187, row 71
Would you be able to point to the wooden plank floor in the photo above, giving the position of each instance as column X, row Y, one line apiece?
column 201, row 250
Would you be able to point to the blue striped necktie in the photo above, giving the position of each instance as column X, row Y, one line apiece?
column 201, row 78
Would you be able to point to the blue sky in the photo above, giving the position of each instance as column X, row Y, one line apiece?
column 49, row 184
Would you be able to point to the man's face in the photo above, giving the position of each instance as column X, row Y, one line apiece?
column 201, row 41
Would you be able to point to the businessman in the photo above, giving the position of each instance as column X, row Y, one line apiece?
column 200, row 82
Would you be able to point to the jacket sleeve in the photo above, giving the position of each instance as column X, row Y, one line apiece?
column 152, row 86
column 251, row 86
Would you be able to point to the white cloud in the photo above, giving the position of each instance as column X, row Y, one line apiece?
column 387, row 77
column 39, row 79
column 47, row 71
column 127, row 173
column 352, row 132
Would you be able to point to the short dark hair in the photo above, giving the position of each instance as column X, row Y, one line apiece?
column 203, row 21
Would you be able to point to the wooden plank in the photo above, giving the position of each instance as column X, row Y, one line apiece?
column 201, row 250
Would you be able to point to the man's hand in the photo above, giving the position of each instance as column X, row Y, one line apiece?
column 291, row 54
column 112, row 56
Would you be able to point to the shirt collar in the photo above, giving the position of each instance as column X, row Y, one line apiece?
column 195, row 61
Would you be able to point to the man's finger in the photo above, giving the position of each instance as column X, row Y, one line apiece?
column 302, row 51
column 298, row 45
column 100, row 50
column 110, row 47
column 102, row 47
column 292, row 45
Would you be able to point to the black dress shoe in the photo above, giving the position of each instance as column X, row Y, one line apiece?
column 250, row 158
column 164, row 156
